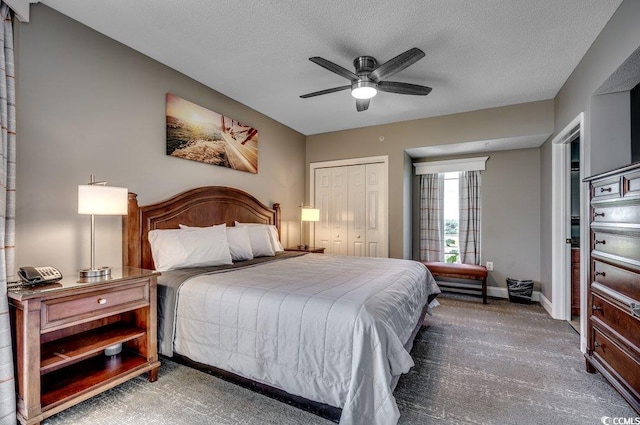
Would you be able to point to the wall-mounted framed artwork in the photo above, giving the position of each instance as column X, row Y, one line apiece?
column 199, row 134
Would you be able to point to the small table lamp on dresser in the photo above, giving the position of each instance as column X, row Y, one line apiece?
column 310, row 215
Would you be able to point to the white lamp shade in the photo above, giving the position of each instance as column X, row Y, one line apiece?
column 102, row 200
column 310, row 214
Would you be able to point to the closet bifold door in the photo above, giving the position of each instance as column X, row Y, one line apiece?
column 353, row 210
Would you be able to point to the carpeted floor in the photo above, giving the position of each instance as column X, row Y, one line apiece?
column 499, row 363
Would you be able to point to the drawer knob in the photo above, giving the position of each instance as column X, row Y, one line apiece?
column 597, row 214
column 102, row 300
column 596, row 344
column 605, row 189
column 603, row 274
column 596, row 308
column 602, row 242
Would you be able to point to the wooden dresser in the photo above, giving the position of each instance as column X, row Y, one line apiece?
column 613, row 339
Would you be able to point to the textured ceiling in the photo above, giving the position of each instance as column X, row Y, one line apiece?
column 479, row 54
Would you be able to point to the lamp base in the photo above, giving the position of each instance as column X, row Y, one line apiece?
column 113, row 350
column 101, row 272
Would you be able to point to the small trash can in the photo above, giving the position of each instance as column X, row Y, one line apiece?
column 519, row 290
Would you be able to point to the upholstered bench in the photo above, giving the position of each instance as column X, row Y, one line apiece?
column 460, row 271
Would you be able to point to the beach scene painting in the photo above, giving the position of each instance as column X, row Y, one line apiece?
column 199, row 134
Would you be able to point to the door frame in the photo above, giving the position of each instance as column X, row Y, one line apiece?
column 560, row 224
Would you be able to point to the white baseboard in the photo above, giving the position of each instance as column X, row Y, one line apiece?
column 546, row 304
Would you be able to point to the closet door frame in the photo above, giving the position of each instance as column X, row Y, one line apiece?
column 383, row 159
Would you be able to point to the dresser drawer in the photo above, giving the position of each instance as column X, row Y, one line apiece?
column 616, row 361
column 620, row 280
column 627, row 247
column 65, row 310
column 615, row 214
column 616, row 318
column 604, row 189
column 631, row 185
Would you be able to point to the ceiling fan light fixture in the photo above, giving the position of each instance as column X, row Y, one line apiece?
column 364, row 89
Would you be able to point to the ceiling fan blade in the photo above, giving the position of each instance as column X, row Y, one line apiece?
column 396, row 64
column 362, row 104
column 403, row 88
column 327, row 91
column 334, row 68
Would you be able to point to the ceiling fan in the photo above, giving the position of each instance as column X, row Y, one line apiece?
column 369, row 77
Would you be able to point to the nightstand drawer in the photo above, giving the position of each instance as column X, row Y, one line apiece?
column 65, row 310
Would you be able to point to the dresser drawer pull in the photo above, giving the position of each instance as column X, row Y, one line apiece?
column 597, row 214
column 596, row 345
column 602, row 242
column 605, row 189
column 635, row 309
column 102, row 301
column 603, row 274
column 596, row 308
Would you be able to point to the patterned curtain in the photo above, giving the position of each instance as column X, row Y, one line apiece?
column 431, row 217
column 469, row 226
column 7, row 214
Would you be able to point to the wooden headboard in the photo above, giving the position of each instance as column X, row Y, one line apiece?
column 203, row 206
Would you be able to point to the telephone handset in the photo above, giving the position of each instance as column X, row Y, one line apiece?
column 46, row 274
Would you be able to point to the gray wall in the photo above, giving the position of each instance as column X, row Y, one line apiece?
column 617, row 42
column 90, row 105
column 510, row 234
column 522, row 218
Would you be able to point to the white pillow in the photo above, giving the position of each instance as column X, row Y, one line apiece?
column 192, row 247
column 239, row 243
column 273, row 234
column 260, row 240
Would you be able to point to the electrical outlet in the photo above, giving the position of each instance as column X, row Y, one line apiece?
column 490, row 266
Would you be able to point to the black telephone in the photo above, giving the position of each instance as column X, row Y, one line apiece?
column 46, row 274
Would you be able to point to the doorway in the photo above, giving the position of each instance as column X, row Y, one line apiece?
column 574, row 240
column 561, row 264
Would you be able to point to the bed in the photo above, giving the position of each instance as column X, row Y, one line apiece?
column 330, row 334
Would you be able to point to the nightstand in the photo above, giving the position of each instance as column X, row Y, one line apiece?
column 306, row 249
column 61, row 330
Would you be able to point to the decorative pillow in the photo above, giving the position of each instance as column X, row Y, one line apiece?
column 260, row 238
column 189, row 247
column 273, row 234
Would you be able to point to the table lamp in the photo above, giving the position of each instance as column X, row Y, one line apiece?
column 307, row 214
column 95, row 198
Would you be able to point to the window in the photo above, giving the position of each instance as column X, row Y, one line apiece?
column 451, row 217
column 450, row 209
